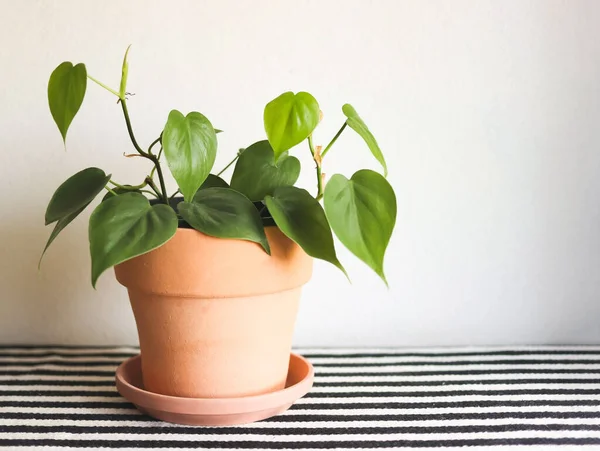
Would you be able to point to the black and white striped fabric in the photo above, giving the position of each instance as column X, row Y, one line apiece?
column 60, row 398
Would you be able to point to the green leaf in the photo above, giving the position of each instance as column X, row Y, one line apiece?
column 214, row 181
column 224, row 213
column 190, row 146
column 76, row 192
column 60, row 225
column 356, row 123
column 257, row 174
column 126, row 226
column 66, row 90
column 302, row 219
column 362, row 213
column 124, row 74
column 289, row 119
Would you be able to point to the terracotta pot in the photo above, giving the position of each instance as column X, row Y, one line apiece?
column 215, row 317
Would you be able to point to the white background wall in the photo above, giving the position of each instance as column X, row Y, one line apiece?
column 488, row 113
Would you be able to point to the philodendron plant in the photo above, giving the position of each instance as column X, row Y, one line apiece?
column 360, row 210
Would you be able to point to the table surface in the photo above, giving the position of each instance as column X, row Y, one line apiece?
column 518, row 397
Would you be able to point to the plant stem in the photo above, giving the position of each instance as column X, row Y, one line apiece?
column 319, row 183
column 317, row 156
column 174, row 194
column 152, row 185
column 130, row 129
column 104, row 86
column 150, row 192
column 161, row 179
column 230, row 163
column 337, row 135
column 110, row 191
column 153, row 144
column 130, row 187
column 163, row 195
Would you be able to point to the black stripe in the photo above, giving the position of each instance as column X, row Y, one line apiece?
column 71, row 404
column 410, row 394
column 19, row 393
column 557, row 351
column 69, row 383
column 110, row 382
column 454, row 382
column 282, row 431
column 65, row 372
column 300, row 418
column 387, row 444
column 352, row 394
column 46, row 372
column 459, row 363
column 43, row 354
column 116, row 362
column 74, row 363
column 383, row 404
column 460, row 372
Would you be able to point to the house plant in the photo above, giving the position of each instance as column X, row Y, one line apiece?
column 214, row 271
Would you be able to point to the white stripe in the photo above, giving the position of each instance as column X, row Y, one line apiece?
column 316, row 351
column 445, row 350
column 70, row 410
column 58, row 399
column 364, row 399
column 343, row 369
column 299, row 410
column 38, row 377
column 339, row 389
column 321, row 360
column 374, row 377
column 344, row 379
column 100, row 351
column 366, row 447
column 358, row 423
column 55, row 367
column 350, row 436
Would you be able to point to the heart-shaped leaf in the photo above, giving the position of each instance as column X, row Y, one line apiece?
column 66, row 90
column 224, row 213
column 289, row 119
column 256, row 173
column 357, row 124
column 60, row 225
column 190, row 146
column 214, row 181
column 302, row 219
column 75, row 193
column 362, row 213
column 126, row 226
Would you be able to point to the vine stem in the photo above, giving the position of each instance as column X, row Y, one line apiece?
column 317, row 157
column 231, row 162
column 153, row 144
column 163, row 194
column 337, row 135
column 110, row 191
column 123, row 103
column 129, row 188
column 104, row 86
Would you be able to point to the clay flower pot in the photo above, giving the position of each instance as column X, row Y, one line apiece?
column 215, row 317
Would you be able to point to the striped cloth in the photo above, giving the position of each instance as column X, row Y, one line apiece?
column 61, row 398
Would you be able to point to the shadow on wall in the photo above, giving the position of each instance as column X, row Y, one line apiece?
column 57, row 303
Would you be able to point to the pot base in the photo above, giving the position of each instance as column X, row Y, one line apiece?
column 213, row 411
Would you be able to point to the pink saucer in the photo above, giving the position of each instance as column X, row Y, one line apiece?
column 213, row 412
